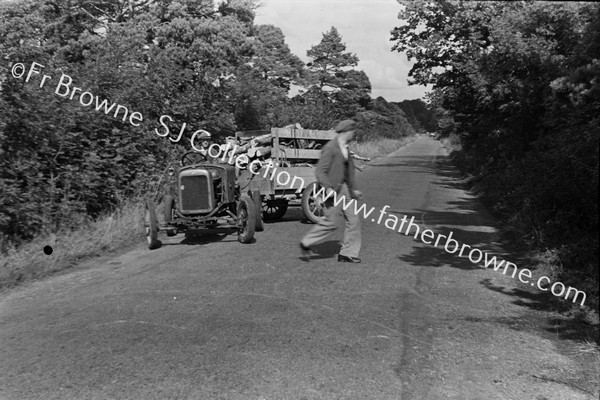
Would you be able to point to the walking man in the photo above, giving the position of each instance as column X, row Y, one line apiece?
column 335, row 172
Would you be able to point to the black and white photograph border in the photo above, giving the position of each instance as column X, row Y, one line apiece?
column 299, row 199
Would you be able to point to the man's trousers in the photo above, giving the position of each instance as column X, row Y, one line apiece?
column 328, row 224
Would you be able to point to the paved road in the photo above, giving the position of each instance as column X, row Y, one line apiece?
column 222, row 320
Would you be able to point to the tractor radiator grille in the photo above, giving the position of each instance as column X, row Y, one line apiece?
column 196, row 193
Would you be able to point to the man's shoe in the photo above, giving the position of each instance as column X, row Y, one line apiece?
column 342, row 258
column 305, row 250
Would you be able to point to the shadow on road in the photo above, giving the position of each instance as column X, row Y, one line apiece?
column 293, row 213
column 561, row 326
column 472, row 224
column 328, row 249
column 199, row 238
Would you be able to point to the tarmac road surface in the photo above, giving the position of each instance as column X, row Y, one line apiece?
column 212, row 318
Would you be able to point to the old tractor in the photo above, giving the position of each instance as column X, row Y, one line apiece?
column 203, row 198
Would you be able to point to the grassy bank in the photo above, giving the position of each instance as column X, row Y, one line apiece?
column 380, row 147
column 107, row 233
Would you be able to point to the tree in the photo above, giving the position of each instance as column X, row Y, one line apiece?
column 333, row 77
column 382, row 118
column 243, row 10
column 273, row 58
column 62, row 163
column 518, row 83
column 418, row 115
column 328, row 60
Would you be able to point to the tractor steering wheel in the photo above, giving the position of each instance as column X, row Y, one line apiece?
column 193, row 157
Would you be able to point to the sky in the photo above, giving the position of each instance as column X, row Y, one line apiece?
column 365, row 27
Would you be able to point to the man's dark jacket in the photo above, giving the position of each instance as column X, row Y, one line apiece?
column 330, row 169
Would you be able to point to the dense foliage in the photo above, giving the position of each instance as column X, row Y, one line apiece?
column 202, row 64
column 518, row 83
column 419, row 115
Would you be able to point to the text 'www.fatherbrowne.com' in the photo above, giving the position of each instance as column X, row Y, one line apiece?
column 409, row 228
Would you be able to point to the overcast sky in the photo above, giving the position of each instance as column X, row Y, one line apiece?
column 365, row 27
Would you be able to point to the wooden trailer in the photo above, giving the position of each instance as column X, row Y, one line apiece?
column 288, row 176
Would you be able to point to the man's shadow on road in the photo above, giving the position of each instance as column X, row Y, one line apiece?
column 328, row 249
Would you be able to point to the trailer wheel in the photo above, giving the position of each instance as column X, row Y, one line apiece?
column 313, row 207
column 246, row 213
column 274, row 209
column 259, row 214
column 151, row 226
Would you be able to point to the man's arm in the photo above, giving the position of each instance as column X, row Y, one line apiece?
column 323, row 167
column 357, row 157
column 356, row 194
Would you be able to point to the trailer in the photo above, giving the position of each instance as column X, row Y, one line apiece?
column 290, row 178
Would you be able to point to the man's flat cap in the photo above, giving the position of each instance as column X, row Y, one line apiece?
column 345, row 126
column 203, row 135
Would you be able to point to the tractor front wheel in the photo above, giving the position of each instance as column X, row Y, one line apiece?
column 169, row 209
column 151, row 226
column 246, row 213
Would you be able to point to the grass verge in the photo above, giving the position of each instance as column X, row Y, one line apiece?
column 107, row 233
column 380, row 147
column 544, row 260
